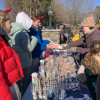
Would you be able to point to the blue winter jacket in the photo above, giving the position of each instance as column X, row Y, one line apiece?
column 41, row 45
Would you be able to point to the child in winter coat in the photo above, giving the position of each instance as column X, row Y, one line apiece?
column 91, row 68
column 20, row 42
column 76, row 37
column 10, row 66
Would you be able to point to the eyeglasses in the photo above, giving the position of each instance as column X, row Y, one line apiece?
column 82, row 27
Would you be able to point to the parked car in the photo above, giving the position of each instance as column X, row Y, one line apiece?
column 46, row 28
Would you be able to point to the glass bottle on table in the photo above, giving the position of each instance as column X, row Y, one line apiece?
column 42, row 68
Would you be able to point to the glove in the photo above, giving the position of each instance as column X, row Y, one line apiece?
column 46, row 53
column 64, row 45
column 73, row 49
column 82, row 77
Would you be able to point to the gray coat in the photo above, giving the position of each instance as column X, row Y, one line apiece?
column 20, row 42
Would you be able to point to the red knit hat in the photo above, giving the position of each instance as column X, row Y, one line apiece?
column 89, row 21
column 38, row 18
column 7, row 10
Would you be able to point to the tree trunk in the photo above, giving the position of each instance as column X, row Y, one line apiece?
column 30, row 8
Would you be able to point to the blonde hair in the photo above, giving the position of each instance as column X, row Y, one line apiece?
column 90, row 61
column 3, row 18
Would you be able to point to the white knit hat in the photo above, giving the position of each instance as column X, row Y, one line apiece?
column 24, row 20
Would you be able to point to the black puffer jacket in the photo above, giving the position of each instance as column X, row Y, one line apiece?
column 4, row 36
column 67, row 30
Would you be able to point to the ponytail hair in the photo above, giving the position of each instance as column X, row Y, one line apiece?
column 90, row 61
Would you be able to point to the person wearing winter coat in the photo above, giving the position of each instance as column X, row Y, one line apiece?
column 76, row 37
column 67, row 30
column 20, row 42
column 91, row 34
column 90, row 68
column 41, row 46
column 67, row 33
column 10, row 66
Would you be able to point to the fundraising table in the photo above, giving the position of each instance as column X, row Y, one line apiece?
column 76, row 94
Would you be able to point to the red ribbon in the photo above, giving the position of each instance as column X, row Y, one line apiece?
column 38, row 18
column 7, row 10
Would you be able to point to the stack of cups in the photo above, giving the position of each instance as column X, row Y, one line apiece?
column 34, row 85
column 42, row 68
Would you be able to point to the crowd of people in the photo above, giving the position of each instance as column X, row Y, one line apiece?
column 22, row 46
column 17, row 61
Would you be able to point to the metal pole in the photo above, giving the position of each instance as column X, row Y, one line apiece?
column 36, row 12
column 30, row 8
column 50, row 24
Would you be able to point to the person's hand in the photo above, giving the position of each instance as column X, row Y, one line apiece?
column 50, row 43
column 31, row 37
column 48, row 46
column 63, row 45
column 73, row 49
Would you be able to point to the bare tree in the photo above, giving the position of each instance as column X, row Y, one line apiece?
column 30, row 7
column 97, row 12
column 77, row 10
column 2, row 4
column 73, row 11
column 16, row 7
column 59, row 10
